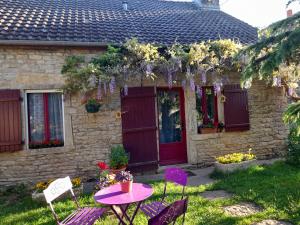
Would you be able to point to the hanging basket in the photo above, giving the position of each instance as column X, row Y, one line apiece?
column 92, row 108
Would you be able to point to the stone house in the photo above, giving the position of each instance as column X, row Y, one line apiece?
column 36, row 37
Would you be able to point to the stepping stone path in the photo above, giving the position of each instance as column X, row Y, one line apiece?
column 213, row 195
column 242, row 209
column 272, row 222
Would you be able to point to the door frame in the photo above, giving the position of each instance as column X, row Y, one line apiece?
column 183, row 124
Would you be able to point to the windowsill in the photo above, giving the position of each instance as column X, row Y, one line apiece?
column 51, row 149
column 199, row 137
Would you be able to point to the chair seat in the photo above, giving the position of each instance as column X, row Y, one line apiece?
column 84, row 216
column 153, row 208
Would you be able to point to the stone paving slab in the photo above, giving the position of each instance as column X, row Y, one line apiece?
column 201, row 177
column 272, row 222
column 242, row 209
column 213, row 195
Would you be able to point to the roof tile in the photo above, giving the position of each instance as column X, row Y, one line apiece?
column 105, row 21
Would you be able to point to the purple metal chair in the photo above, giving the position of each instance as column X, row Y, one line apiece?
column 170, row 213
column 82, row 216
column 173, row 175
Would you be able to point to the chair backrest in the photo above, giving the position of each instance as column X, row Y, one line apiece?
column 57, row 188
column 170, row 213
column 176, row 175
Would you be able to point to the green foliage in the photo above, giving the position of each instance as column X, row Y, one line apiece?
column 82, row 76
column 93, row 101
column 139, row 60
column 277, row 54
column 235, row 158
column 118, row 157
column 292, row 117
column 274, row 188
column 293, row 155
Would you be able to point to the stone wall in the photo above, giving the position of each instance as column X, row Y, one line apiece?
column 88, row 137
column 266, row 137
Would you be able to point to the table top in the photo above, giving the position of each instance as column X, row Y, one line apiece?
column 113, row 195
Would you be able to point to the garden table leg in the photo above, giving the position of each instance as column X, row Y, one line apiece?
column 118, row 216
column 135, row 212
column 126, row 207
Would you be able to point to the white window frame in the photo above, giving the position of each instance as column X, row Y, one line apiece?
column 26, row 111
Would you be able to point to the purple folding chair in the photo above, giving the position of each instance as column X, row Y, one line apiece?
column 173, row 175
column 82, row 216
column 170, row 213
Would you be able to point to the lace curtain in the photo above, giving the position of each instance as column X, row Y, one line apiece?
column 38, row 103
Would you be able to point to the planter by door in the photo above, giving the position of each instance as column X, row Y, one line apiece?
column 171, row 120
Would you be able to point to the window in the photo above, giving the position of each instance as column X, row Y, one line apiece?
column 207, row 108
column 45, row 120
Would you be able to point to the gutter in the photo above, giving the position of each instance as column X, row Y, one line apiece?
column 52, row 43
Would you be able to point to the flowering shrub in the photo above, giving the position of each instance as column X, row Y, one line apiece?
column 102, row 165
column 235, row 158
column 124, row 176
column 40, row 186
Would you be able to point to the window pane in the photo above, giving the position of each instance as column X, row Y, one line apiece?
column 169, row 116
column 210, row 97
column 36, row 117
column 55, row 116
column 205, row 106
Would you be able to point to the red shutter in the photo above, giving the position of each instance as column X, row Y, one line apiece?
column 10, row 121
column 139, row 128
column 236, row 108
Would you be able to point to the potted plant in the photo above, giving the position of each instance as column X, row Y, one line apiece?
column 126, row 179
column 118, row 159
column 236, row 161
column 208, row 128
column 92, row 105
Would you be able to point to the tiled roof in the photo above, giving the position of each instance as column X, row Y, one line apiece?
column 105, row 21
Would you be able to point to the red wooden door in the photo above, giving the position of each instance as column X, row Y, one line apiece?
column 139, row 127
column 171, row 119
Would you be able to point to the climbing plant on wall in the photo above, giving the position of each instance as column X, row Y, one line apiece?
column 135, row 60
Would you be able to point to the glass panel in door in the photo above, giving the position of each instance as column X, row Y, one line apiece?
column 170, row 124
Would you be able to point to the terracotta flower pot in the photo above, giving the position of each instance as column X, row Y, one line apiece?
column 126, row 186
column 115, row 171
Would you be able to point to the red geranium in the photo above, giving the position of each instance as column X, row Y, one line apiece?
column 102, row 165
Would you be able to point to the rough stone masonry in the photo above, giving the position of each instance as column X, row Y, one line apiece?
column 88, row 138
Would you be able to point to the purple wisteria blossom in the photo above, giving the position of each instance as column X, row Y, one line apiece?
column 105, row 88
column 148, row 69
column 277, row 81
column 170, row 79
column 112, row 85
column 203, row 77
column 290, row 91
column 125, row 89
column 199, row 91
column 183, row 84
column 192, row 84
column 99, row 91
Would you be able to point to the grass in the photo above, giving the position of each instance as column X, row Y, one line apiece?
column 275, row 188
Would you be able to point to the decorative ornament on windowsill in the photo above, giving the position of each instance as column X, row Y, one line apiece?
column 92, row 106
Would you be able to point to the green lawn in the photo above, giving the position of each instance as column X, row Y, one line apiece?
column 275, row 188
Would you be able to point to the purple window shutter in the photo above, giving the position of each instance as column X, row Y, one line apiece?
column 10, row 121
column 236, row 111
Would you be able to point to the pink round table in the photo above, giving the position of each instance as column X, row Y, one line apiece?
column 113, row 196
